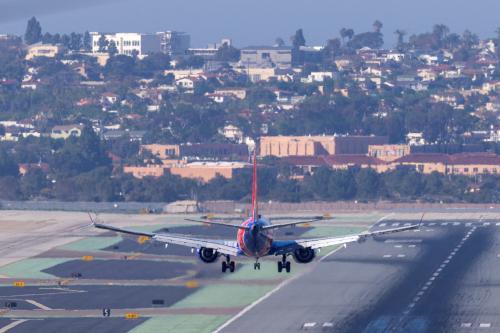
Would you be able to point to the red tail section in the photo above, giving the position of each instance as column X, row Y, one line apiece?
column 255, row 214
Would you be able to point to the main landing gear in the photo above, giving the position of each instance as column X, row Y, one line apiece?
column 228, row 264
column 284, row 264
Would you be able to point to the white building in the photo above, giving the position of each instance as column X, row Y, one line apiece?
column 174, row 42
column 317, row 77
column 129, row 43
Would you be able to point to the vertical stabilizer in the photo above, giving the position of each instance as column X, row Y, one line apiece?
column 255, row 213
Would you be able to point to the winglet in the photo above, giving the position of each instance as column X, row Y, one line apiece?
column 421, row 219
column 91, row 219
column 255, row 212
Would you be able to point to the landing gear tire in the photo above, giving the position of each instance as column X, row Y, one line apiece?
column 231, row 266
column 288, row 267
column 224, row 267
column 256, row 266
column 280, row 266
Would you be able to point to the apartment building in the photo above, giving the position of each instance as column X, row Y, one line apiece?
column 266, row 57
column 129, row 43
column 174, row 43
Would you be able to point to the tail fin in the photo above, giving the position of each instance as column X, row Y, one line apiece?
column 255, row 213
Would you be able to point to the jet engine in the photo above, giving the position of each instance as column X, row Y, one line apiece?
column 304, row 255
column 208, row 255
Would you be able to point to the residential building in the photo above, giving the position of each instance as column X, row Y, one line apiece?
column 129, row 43
column 174, row 43
column 257, row 74
column 232, row 133
column 66, row 131
column 44, row 50
column 266, row 57
column 317, row 77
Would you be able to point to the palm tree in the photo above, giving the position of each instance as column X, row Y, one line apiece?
column 343, row 34
column 401, row 36
column 440, row 31
column 350, row 33
column 377, row 26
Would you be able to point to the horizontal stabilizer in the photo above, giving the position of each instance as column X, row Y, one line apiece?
column 218, row 223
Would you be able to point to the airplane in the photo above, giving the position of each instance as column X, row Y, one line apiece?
column 255, row 239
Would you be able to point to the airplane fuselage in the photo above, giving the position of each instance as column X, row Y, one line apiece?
column 255, row 241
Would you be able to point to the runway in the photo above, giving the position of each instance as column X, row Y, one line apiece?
column 443, row 278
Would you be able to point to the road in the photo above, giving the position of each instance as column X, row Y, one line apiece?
column 443, row 278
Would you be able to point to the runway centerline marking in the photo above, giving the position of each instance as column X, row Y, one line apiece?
column 436, row 274
column 280, row 286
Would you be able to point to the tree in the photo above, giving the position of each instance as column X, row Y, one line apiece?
column 7, row 165
column 47, row 38
column 66, row 40
column 33, row 32
column 227, row 53
column 440, row 31
column 343, row 34
column 377, row 26
column 401, row 37
column 87, row 41
column 279, row 42
column 75, row 41
column 112, row 49
column 298, row 39
column 372, row 40
column 102, row 43
column 349, row 33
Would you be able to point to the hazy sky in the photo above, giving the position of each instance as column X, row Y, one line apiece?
column 251, row 22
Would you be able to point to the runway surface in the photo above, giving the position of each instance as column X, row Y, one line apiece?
column 443, row 278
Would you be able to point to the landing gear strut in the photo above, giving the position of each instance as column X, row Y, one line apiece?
column 256, row 265
column 228, row 264
column 284, row 264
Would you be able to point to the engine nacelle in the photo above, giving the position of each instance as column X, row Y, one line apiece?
column 208, row 255
column 304, row 255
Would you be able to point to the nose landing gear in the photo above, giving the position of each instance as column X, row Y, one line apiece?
column 284, row 264
column 256, row 265
column 228, row 264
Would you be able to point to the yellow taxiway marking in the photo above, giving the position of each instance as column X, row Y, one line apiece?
column 131, row 315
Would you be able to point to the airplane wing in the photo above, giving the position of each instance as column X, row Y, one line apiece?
column 222, row 246
column 291, row 224
column 283, row 247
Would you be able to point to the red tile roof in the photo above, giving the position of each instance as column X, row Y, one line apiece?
column 462, row 158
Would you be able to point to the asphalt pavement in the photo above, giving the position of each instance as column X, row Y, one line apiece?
column 443, row 278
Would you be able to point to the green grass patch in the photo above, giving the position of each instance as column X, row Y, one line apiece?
column 91, row 243
column 31, row 268
column 181, row 324
column 222, row 296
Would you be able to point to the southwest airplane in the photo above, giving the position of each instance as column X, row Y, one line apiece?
column 255, row 239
